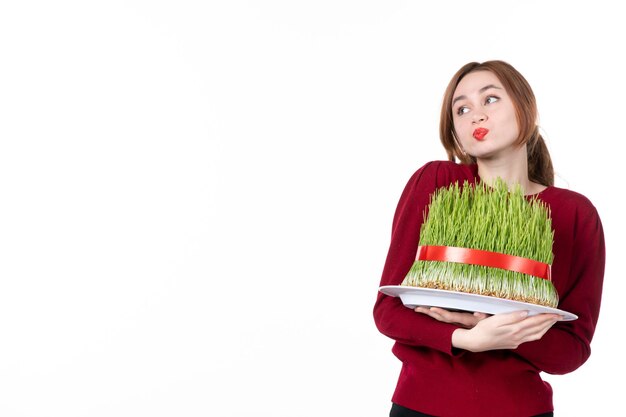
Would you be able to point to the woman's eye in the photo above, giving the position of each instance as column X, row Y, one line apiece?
column 491, row 99
column 462, row 110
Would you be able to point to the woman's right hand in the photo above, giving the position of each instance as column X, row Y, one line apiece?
column 503, row 331
column 460, row 318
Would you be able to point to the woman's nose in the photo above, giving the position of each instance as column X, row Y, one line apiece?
column 479, row 117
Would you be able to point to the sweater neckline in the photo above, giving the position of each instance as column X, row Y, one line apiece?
column 534, row 195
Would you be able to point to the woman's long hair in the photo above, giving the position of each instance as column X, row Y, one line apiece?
column 540, row 168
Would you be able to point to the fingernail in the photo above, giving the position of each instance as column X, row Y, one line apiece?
column 523, row 313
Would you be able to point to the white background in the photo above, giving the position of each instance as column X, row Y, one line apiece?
column 196, row 197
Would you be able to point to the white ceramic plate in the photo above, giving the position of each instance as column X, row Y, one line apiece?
column 415, row 296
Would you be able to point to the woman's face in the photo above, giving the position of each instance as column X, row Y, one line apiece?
column 484, row 116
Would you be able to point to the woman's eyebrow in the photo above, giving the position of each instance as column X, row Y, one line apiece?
column 482, row 90
column 487, row 87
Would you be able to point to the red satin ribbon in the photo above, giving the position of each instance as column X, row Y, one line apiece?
column 484, row 258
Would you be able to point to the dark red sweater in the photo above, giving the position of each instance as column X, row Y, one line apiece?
column 439, row 380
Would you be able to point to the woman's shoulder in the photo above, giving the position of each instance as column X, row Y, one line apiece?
column 442, row 173
column 569, row 200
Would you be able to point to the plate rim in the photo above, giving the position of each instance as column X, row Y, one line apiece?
column 398, row 290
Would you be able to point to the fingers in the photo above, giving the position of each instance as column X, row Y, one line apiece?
column 504, row 319
column 467, row 320
column 430, row 311
column 464, row 319
column 525, row 330
column 506, row 331
column 535, row 327
column 446, row 314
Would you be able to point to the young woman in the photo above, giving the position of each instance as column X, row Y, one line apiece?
column 457, row 364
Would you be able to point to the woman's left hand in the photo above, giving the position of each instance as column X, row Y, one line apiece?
column 466, row 320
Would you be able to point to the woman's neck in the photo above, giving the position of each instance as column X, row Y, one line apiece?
column 512, row 169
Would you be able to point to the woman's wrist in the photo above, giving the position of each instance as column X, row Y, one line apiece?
column 459, row 338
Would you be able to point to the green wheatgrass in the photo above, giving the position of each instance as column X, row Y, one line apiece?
column 490, row 218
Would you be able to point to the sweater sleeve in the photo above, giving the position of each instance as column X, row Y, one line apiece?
column 392, row 318
column 566, row 346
